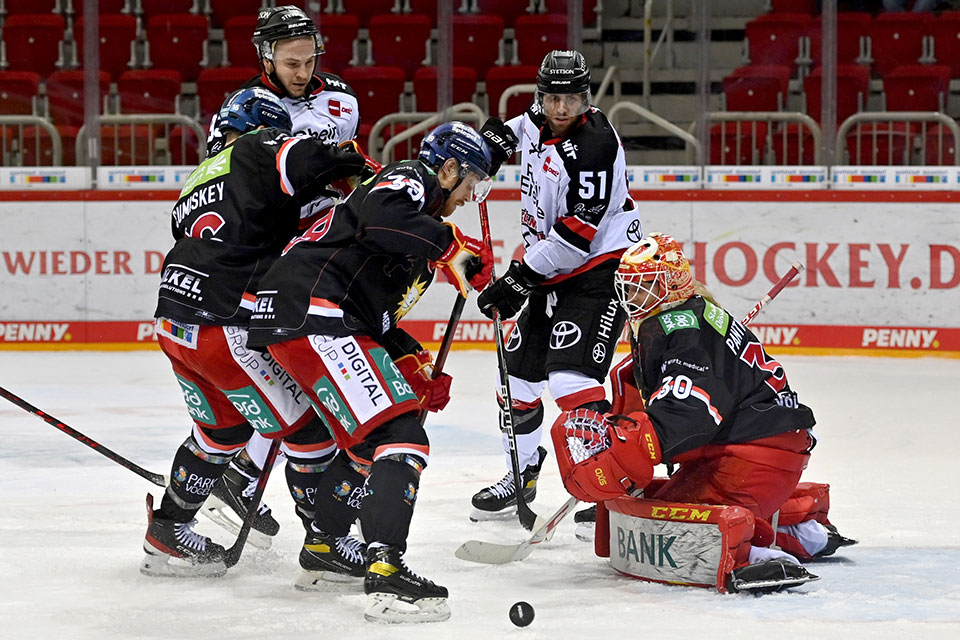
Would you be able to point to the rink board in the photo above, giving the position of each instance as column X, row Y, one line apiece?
column 79, row 269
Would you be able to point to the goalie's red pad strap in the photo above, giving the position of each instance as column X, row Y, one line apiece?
column 675, row 542
column 626, row 396
column 809, row 501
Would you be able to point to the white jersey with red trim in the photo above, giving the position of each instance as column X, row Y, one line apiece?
column 574, row 201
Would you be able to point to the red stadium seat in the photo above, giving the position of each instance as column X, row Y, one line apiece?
column 851, row 31
column 793, row 6
column 509, row 10
column 757, row 88
column 560, row 6
column 213, row 85
column 339, row 38
column 917, row 88
column 125, row 145
column 65, row 96
column 946, row 41
column 501, row 78
column 536, row 36
column 365, row 10
column 223, row 10
column 177, row 41
column 853, row 85
column 775, row 38
column 18, row 92
column 378, row 91
column 117, row 35
column 183, row 146
column 428, row 8
column 939, row 147
column 897, row 39
column 425, row 86
column 740, row 143
column 16, row 7
column 793, row 144
column 148, row 90
column 400, row 41
column 238, row 40
column 476, row 41
column 33, row 42
column 150, row 8
column 883, row 143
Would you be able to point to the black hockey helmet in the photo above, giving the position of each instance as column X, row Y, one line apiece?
column 564, row 72
column 462, row 143
column 282, row 23
column 247, row 109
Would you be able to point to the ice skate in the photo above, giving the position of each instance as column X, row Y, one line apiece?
column 768, row 576
column 586, row 520
column 173, row 549
column 835, row 540
column 499, row 501
column 397, row 595
column 328, row 561
column 230, row 499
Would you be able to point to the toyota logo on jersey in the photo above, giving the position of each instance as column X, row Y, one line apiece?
column 565, row 334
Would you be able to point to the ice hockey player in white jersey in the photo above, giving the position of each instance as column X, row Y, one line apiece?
column 577, row 218
column 324, row 107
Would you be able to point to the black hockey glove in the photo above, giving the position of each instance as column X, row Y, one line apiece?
column 507, row 294
column 501, row 140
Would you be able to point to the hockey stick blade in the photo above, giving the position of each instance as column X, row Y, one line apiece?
column 493, row 553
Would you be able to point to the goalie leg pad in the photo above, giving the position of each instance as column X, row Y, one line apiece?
column 674, row 542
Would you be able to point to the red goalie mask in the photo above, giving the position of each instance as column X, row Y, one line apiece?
column 653, row 272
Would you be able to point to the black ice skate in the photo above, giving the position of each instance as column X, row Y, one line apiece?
column 397, row 595
column 230, row 499
column 834, row 541
column 499, row 501
column 330, row 561
column 768, row 577
column 173, row 549
column 586, row 520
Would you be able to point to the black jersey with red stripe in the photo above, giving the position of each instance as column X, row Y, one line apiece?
column 361, row 266
column 236, row 212
column 706, row 379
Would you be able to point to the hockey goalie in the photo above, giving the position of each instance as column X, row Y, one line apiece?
column 699, row 393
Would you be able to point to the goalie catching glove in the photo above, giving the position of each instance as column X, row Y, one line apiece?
column 417, row 369
column 466, row 261
column 604, row 457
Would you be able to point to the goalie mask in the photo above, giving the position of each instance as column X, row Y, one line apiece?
column 652, row 273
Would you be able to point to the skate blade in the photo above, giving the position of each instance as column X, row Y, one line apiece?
column 585, row 531
column 161, row 565
column 479, row 515
column 760, row 586
column 326, row 581
column 387, row 608
column 225, row 518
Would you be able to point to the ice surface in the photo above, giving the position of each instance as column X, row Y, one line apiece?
column 72, row 522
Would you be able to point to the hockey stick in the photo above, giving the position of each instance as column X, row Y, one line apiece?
column 447, row 343
column 232, row 555
column 493, row 553
column 527, row 517
column 787, row 278
column 155, row 478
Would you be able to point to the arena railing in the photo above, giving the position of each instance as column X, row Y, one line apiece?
column 424, row 120
column 910, row 142
column 14, row 156
column 156, row 154
column 692, row 144
column 650, row 52
column 753, row 117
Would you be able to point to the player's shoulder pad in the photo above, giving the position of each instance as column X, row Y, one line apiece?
column 592, row 144
column 328, row 82
column 419, row 173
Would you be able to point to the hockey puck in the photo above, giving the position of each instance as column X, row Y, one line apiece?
column 521, row 614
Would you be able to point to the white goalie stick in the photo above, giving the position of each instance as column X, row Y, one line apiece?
column 495, row 553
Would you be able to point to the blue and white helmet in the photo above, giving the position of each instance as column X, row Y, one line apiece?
column 246, row 109
column 465, row 145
